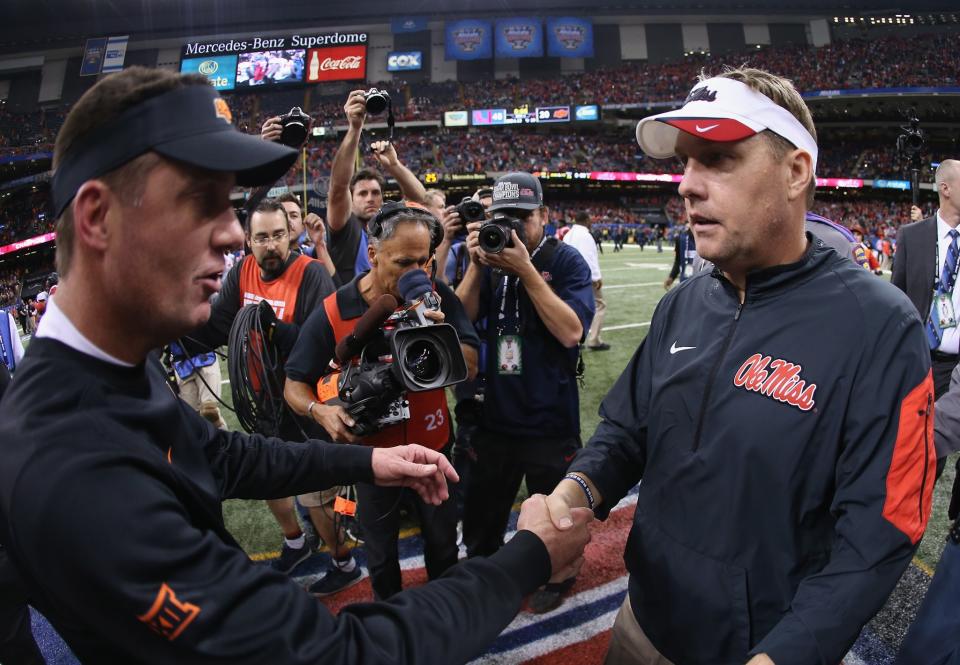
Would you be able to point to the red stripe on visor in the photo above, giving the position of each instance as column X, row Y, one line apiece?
column 712, row 129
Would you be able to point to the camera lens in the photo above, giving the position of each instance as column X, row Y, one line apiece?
column 376, row 103
column 422, row 361
column 493, row 238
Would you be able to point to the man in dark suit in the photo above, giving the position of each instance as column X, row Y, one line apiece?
column 925, row 268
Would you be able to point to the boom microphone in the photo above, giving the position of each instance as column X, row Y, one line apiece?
column 368, row 326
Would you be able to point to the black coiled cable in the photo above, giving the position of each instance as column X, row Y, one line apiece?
column 256, row 374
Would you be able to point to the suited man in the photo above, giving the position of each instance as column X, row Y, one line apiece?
column 925, row 268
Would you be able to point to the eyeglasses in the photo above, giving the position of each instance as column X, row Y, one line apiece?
column 276, row 239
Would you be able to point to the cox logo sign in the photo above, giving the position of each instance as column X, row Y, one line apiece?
column 405, row 61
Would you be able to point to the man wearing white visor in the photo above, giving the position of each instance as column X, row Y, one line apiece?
column 778, row 412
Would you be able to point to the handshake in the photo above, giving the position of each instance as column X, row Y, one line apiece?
column 562, row 529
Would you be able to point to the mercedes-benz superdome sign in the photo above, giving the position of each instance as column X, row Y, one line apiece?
column 294, row 58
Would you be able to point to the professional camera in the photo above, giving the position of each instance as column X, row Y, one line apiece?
column 469, row 211
column 912, row 140
column 377, row 101
column 295, row 125
column 401, row 351
column 495, row 233
column 910, row 145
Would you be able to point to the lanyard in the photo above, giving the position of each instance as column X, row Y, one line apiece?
column 938, row 268
column 514, row 280
column 3, row 347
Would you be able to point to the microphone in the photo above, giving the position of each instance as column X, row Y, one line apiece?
column 368, row 326
column 415, row 286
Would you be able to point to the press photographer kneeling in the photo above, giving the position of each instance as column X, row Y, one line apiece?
column 401, row 253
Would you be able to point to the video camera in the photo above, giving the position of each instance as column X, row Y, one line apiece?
column 910, row 145
column 392, row 352
column 495, row 233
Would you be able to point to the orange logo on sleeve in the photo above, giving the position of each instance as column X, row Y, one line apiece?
column 169, row 617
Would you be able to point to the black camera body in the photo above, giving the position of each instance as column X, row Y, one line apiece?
column 495, row 233
column 377, row 101
column 410, row 354
column 912, row 140
column 295, row 124
column 469, row 211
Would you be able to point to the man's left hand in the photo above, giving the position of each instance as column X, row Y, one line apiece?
column 317, row 230
column 386, row 154
column 515, row 260
column 761, row 659
column 416, row 467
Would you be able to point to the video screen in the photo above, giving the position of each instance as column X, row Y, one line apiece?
column 270, row 67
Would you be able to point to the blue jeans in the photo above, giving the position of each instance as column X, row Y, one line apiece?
column 934, row 638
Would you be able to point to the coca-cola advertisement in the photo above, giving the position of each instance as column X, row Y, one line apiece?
column 340, row 63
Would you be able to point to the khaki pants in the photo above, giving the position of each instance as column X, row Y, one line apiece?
column 593, row 338
column 201, row 390
column 628, row 644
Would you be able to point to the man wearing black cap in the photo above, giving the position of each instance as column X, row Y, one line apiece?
column 537, row 297
column 110, row 487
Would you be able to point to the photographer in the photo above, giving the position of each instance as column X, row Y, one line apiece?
column 537, row 296
column 403, row 240
column 452, row 255
column 354, row 198
column 293, row 285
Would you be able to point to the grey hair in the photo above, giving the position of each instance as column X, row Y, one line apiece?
column 390, row 226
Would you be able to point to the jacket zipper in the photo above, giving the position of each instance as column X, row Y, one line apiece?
column 713, row 376
column 926, row 452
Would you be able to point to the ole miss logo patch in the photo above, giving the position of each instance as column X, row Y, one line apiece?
column 777, row 379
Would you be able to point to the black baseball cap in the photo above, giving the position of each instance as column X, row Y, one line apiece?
column 517, row 191
column 191, row 124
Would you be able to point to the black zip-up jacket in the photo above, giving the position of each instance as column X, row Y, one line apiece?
column 785, row 447
column 110, row 494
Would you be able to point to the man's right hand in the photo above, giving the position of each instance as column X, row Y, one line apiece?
column 272, row 129
column 451, row 223
column 336, row 421
column 356, row 109
column 473, row 241
column 565, row 547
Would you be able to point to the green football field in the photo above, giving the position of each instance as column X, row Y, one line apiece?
column 633, row 284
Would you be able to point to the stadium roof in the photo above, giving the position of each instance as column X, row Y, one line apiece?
column 38, row 24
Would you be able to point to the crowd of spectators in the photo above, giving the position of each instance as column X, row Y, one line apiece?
column 25, row 214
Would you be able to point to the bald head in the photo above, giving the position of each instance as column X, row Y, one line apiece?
column 948, row 173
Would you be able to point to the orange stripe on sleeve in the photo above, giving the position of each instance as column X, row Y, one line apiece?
column 913, row 466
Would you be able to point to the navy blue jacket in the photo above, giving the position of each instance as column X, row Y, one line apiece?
column 785, row 448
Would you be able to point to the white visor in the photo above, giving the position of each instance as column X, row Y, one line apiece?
column 722, row 109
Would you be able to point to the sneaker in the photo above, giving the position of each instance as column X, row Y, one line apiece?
column 314, row 542
column 549, row 597
column 600, row 347
column 336, row 580
column 290, row 558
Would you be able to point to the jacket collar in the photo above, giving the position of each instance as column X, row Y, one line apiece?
column 769, row 282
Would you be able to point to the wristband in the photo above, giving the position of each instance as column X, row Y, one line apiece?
column 310, row 408
column 583, row 485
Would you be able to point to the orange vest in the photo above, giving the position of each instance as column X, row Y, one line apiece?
column 429, row 422
column 281, row 293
